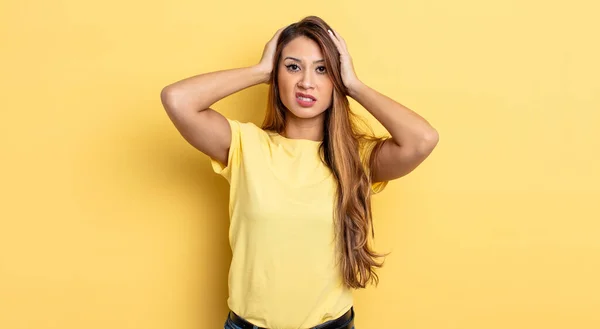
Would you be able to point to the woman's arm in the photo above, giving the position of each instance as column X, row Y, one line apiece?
column 188, row 102
column 413, row 138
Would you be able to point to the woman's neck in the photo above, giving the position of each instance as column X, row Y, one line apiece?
column 299, row 128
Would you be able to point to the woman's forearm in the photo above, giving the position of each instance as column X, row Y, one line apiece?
column 199, row 92
column 408, row 129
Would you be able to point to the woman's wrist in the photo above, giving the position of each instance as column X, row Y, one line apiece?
column 355, row 89
column 264, row 73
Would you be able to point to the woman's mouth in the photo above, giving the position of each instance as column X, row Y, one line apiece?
column 305, row 100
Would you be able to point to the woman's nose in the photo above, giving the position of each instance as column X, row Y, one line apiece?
column 306, row 81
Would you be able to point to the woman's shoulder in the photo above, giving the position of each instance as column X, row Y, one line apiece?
column 246, row 126
column 249, row 131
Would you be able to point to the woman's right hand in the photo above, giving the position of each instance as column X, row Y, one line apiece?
column 267, row 60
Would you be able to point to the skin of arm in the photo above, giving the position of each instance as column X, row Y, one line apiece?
column 413, row 138
column 187, row 102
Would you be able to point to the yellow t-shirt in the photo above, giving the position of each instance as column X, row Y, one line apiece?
column 283, row 273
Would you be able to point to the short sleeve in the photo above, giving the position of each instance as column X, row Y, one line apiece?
column 233, row 156
column 366, row 147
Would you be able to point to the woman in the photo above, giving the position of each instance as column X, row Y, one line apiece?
column 300, row 185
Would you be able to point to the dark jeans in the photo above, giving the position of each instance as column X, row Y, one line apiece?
column 230, row 325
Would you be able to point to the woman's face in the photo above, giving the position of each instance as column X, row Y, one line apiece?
column 304, row 84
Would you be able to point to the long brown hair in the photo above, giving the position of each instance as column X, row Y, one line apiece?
column 340, row 152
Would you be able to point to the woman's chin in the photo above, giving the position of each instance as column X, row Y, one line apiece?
column 305, row 112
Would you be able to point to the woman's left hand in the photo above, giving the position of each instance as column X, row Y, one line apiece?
column 348, row 75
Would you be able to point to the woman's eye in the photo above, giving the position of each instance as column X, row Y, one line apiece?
column 292, row 67
column 321, row 69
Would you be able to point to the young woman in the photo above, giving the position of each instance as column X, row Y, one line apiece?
column 300, row 214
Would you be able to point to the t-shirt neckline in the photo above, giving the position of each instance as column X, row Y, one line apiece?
column 297, row 140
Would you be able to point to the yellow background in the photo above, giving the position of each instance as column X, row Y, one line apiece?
column 110, row 220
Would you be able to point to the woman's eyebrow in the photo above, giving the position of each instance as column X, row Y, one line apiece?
column 299, row 61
